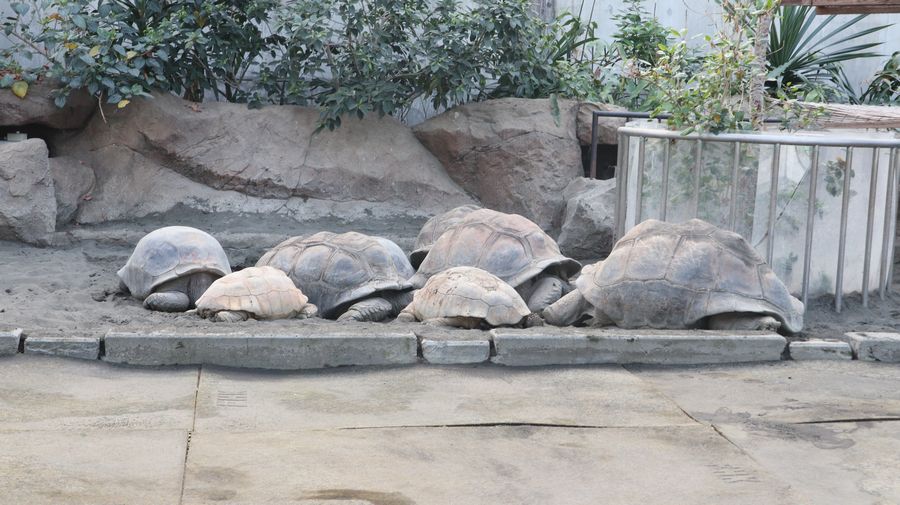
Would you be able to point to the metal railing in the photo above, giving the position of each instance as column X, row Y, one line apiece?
column 778, row 141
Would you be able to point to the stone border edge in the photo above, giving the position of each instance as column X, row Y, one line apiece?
column 16, row 341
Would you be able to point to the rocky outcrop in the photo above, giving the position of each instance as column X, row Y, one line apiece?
column 73, row 182
column 38, row 109
column 512, row 154
column 589, row 226
column 219, row 165
column 27, row 201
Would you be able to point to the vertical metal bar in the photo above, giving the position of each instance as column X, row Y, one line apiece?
column 732, row 209
column 873, row 184
column 842, row 241
column 773, row 200
column 890, row 228
column 594, row 135
column 664, row 198
column 638, row 199
column 810, row 217
column 895, row 180
column 884, row 266
column 697, row 167
column 622, row 184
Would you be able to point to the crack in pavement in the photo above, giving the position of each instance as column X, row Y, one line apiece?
column 851, row 420
column 190, row 433
column 499, row 424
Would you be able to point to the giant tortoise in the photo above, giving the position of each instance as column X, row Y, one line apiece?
column 507, row 245
column 255, row 292
column 171, row 267
column 688, row 275
column 466, row 297
column 348, row 276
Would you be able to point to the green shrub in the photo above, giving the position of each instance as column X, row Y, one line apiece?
column 345, row 56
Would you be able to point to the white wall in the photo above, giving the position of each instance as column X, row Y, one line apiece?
column 701, row 16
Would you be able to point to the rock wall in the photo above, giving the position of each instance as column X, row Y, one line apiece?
column 512, row 154
column 260, row 175
column 264, row 170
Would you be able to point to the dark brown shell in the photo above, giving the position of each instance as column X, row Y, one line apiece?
column 434, row 228
column 335, row 270
column 664, row 275
column 507, row 245
column 169, row 253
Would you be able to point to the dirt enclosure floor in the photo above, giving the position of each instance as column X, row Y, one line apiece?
column 74, row 291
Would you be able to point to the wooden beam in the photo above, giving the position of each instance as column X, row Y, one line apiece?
column 849, row 6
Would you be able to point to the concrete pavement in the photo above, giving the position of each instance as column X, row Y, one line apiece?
column 88, row 432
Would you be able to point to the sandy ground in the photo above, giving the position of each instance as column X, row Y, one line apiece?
column 74, row 291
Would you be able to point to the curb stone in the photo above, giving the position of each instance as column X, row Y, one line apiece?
column 875, row 346
column 456, row 352
column 9, row 341
column 817, row 349
column 576, row 346
column 322, row 349
column 69, row 347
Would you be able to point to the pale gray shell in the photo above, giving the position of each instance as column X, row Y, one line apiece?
column 336, row 270
column 169, row 253
column 664, row 275
column 434, row 228
column 507, row 245
column 264, row 292
column 469, row 292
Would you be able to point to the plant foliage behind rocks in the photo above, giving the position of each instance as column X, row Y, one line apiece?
column 347, row 57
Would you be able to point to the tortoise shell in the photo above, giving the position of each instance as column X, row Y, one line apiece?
column 169, row 253
column 664, row 275
column 264, row 292
column 337, row 270
column 434, row 228
column 507, row 245
column 469, row 292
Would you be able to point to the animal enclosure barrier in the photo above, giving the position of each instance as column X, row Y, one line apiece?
column 820, row 208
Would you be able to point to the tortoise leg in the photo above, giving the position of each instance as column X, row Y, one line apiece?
column 399, row 301
column 229, row 316
column 743, row 321
column 168, row 301
column 546, row 291
column 370, row 309
column 309, row 310
column 407, row 316
column 568, row 310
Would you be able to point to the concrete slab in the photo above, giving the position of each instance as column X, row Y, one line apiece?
column 315, row 348
column 45, row 393
column 241, row 400
column 820, row 349
column 68, row 347
column 92, row 467
column 520, row 465
column 875, row 346
column 455, row 352
column 831, row 463
column 788, row 391
column 9, row 341
column 573, row 346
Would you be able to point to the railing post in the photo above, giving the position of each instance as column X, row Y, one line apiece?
column 773, row 200
column 842, row 240
column 594, row 138
column 870, row 218
column 810, row 220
